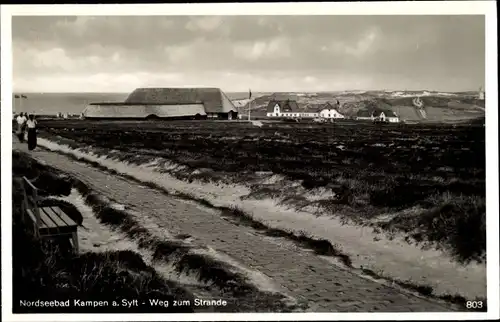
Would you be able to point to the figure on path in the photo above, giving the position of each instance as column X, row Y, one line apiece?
column 21, row 122
column 31, row 124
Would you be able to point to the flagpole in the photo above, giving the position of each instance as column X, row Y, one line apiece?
column 249, row 107
column 249, row 104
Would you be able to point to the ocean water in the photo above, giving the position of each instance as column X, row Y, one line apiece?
column 75, row 103
column 53, row 103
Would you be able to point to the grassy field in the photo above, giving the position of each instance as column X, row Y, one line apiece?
column 424, row 181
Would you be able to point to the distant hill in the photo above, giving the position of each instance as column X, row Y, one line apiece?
column 438, row 106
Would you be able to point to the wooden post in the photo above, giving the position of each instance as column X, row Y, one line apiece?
column 34, row 196
column 74, row 237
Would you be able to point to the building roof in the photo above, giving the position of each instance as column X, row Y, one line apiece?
column 285, row 106
column 310, row 108
column 214, row 100
column 364, row 113
column 375, row 113
column 329, row 106
column 387, row 113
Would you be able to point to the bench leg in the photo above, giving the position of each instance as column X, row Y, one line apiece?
column 36, row 232
column 74, row 237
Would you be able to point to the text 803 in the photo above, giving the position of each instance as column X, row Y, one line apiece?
column 474, row 304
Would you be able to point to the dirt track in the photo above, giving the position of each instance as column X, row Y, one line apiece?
column 302, row 274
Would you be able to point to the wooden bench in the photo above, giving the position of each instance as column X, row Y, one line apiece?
column 48, row 221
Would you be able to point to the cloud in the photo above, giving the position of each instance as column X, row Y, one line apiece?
column 208, row 23
column 365, row 45
column 274, row 49
column 310, row 50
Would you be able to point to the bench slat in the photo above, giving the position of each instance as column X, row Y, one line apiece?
column 63, row 216
column 54, row 216
column 64, row 230
column 46, row 221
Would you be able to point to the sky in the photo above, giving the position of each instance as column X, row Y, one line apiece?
column 235, row 53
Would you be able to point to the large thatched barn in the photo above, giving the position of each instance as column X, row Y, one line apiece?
column 146, row 103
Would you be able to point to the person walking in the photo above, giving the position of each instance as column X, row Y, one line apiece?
column 21, row 123
column 31, row 125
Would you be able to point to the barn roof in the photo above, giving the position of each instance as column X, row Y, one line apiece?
column 285, row 106
column 214, row 100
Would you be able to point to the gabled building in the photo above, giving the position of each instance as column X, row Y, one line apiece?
column 378, row 115
column 288, row 109
column 386, row 116
column 328, row 111
column 145, row 103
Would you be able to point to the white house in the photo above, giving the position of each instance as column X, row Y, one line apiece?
column 288, row 109
column 378, row 115
column 329, row 112
column 386, row 116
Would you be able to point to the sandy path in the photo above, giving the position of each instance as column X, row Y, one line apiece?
column 303, row 274
column 97, row 238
